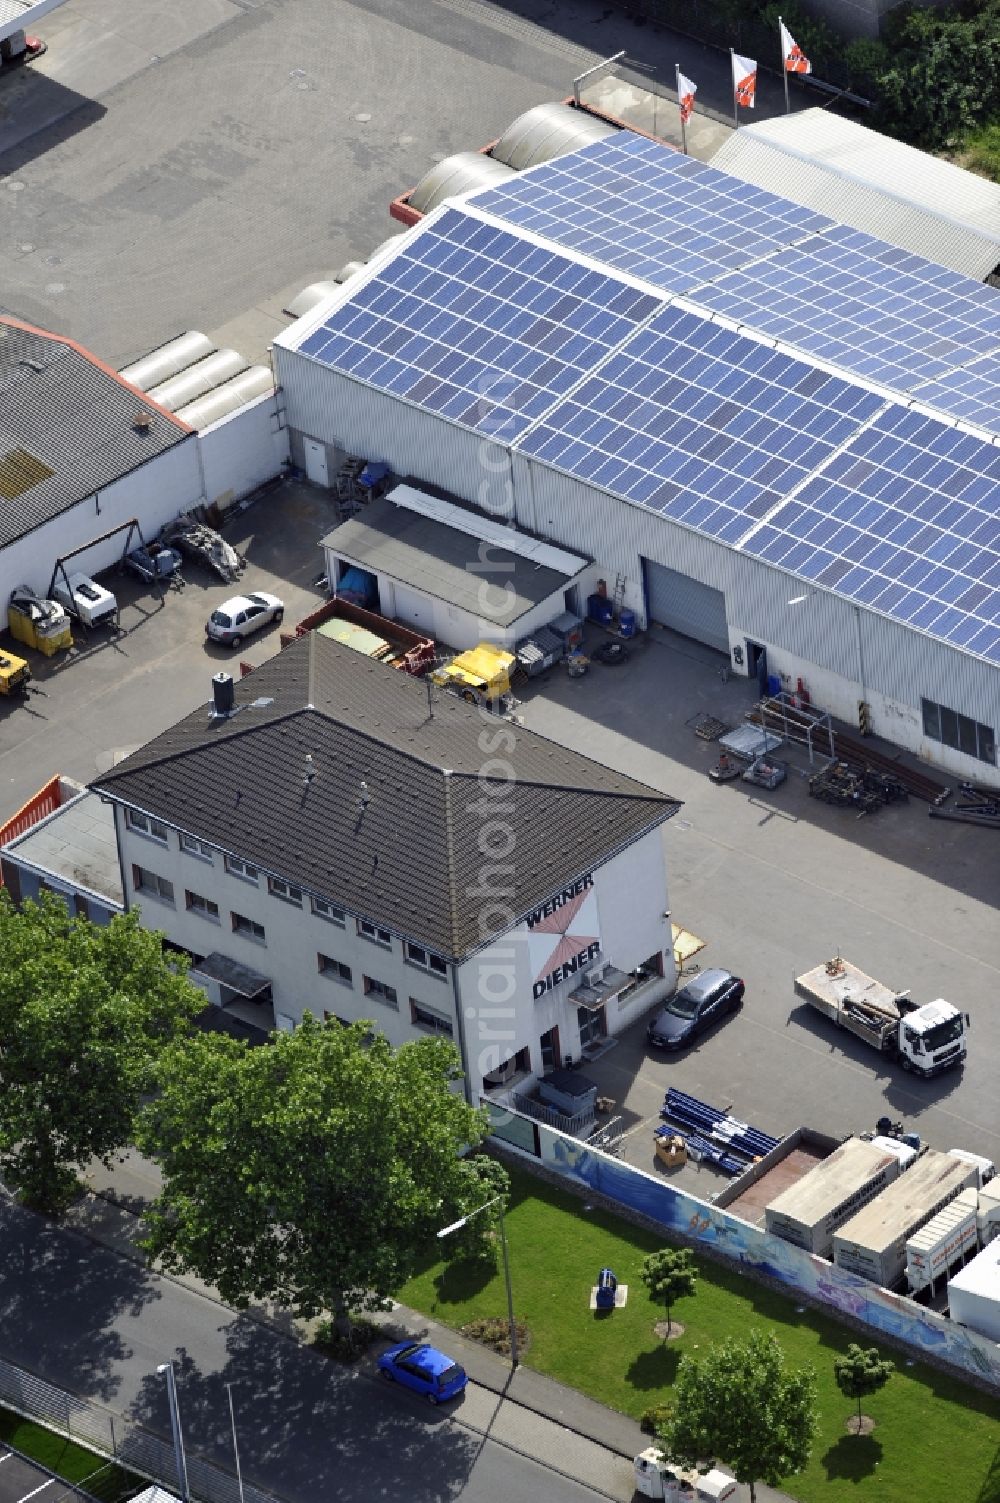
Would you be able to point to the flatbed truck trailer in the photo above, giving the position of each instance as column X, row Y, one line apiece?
column 925, row 1039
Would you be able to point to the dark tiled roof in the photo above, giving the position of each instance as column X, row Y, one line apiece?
column 443, row 562
column 410, row 856
column 67, row 428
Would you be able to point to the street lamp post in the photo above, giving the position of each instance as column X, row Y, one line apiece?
column 455, row 1226
column 236, row 1449
column 166, row 1370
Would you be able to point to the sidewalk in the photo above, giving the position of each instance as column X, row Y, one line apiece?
column 521, row 1394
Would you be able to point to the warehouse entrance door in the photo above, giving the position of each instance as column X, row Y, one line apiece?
column 316, row 466
column 686, row 605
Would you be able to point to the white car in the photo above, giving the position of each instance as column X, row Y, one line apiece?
column 85, row 599
column 243, row 615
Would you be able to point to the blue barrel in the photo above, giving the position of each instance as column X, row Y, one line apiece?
column 773, row 685
column 599, row 608
column 626, row 623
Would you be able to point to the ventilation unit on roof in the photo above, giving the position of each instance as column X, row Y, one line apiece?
column 142, row 422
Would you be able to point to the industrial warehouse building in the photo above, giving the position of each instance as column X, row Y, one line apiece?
column 332, row 841
column 773, row 433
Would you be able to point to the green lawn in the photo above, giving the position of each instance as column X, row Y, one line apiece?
column 69, row 1461
column 935, row 1439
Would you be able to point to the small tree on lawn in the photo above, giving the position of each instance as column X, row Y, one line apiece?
column 741, row 1404
column 315, row 1171
column 85, row 1010
column 669, row 1275
column 860, row 1372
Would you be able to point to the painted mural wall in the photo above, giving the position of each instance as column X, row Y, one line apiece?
column 752, row 1248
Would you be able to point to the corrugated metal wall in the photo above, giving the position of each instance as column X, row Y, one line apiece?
column 327, row 405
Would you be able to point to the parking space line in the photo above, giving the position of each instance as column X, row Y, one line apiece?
column 36, row 1490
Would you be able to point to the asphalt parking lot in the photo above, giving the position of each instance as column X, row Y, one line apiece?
column 88, row 708
column 21, row 1479
column 774, row 883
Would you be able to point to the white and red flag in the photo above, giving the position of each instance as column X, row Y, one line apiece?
column 795, row 59
column 686, row 90
column 744, row 80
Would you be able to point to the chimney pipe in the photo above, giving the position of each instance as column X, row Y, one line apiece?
column 223, row 695
column 310, row 771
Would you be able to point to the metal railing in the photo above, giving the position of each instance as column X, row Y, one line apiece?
column 574, row 1126
column 113, row 1436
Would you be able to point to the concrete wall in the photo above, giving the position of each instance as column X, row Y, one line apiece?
column 243, row 450
column 154, row 494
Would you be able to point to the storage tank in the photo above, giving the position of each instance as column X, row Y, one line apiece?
column 197, row 379
column 811, row 1209
column 547, row 131
column 873, row 1243
column 170, row 358
column 974, row 1294
column 460, row 173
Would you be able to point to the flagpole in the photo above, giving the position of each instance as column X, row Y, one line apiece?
column 684, row 134
column 784, row 67
column 736, row 103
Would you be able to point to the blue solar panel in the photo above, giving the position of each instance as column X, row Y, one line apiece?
column 478, row 325
column 914, row 537
column 700, row 423
column 643, row 209
column 880, row 312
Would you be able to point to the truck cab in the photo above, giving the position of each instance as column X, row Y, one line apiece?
column 932, row 1038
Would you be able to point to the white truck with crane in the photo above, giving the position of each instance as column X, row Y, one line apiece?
column 925, row 1039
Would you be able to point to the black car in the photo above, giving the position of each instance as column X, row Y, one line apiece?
column 694, row 1008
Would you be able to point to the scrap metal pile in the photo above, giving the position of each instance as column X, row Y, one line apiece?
column 863, row 790
column 973, row 806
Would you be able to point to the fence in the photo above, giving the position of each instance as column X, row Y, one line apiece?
column 749, row 1247
column 111, row 1435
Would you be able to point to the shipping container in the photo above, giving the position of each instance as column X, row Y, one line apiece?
column 809, row 1212
column 944, row 1243
column 974, row 1294
column 873, row 1243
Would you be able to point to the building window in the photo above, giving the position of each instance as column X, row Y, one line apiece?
column 959, row 732
column 428, row 1017
column 203, row 907
column 382, row 991
column 376, row 935
column 249, row 928
column 143, row 825
column 198, row 848
column 336, row 970
column 426, row 959
column 279, row 888
column 324, row 910
column 242, row 869
column 151, row 885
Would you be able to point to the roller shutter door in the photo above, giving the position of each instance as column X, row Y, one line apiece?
column 685, row 605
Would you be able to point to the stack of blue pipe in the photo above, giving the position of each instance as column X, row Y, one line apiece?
column 712, row 1122
column 701, row 1148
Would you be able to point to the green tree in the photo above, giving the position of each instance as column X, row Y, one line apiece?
column 741, row 1404
column 85, row 1010
column 481, row 1179
column 669, row 1275
column 860, row 1372
column 313, row 1172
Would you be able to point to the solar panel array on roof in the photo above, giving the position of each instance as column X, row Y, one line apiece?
column 478, row 325
column 880, row 312
column 701, row 423
column 631, row 204
column 902, row 520
column 504, row 327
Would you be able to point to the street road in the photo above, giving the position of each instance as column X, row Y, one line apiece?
column 94, row 1322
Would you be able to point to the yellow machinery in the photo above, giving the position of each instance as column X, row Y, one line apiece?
column 481, row 675
column 38, row 623
column 14, row 674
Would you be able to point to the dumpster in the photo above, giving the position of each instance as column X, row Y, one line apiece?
column 42, row 624
column 657, row 1478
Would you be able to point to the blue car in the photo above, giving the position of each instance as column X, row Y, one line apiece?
column 424, row 1369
